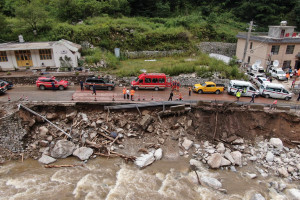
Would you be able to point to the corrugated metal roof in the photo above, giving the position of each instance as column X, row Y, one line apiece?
column 266, row 39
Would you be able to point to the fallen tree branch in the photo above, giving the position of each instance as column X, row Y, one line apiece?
column 59, row 166
column 115, row 154
column 295, row 142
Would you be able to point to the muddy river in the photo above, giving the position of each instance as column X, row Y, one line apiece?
column 113, row 179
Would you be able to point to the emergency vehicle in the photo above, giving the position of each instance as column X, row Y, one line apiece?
column 46, row 83
column 245, row 87
column 274, row 90
column 154, row 81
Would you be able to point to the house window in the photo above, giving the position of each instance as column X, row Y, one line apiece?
column 3, row 56
column 275, row 49
column 290, row 49
column 45, row 54
column 249, row 59
column 251, row 44
column 286, row 64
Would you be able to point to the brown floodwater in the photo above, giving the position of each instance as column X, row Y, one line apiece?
column 112, row 179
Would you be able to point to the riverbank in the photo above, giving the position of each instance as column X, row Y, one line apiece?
column 231, row 140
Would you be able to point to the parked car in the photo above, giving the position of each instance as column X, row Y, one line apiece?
column 250, row 75
column 3, row 86
column 100, row 83
column 260, row 80
column 247, row 88
column 278, row 73
column 46, row 83
column 274, row 90
column 154, row 81
column 10, row 84
column 208, row 87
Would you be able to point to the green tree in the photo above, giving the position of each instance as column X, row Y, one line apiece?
column 32, row 13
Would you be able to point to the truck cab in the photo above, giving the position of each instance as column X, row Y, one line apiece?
column 208, row 87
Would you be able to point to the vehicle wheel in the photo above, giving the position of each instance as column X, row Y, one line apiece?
column 42, row 87
column 267, row 96
column 109, row 88
column 136, row 88
column 200, row 92
column 156, row 88
column 91, row 87
column 61, row 87
column 218, row 92
column 287, row 98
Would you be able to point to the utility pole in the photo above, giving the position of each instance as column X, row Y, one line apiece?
column 247, row 41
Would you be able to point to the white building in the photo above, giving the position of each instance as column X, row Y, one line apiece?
column 39, row 55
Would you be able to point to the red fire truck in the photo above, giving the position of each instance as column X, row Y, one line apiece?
column 154, row 81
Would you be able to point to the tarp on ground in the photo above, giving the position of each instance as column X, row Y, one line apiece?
column 225, row 59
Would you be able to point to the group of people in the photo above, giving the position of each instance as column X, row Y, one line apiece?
column 127, row 93
column 238, row 94
column 175, row 85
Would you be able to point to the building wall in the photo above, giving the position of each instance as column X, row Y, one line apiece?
column 11, row 63
column 37, row 62
column 282, row 56
column 276, row 31
column 260, row 51
column 60, row 50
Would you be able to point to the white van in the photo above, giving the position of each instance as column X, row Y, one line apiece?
column 247, row 88
column 278, row 73
column 274, row 90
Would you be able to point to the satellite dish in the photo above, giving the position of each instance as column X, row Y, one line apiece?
column 276, row 63
column 258, row 62
column 143, row 70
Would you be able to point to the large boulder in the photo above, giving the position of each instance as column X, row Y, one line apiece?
column 220, row 148
column 257, row 196
column 43, row 131
column 145, row 160
column 63, row 149
column 46, row 159
column 283, row 172
column 215, row 160
column 237, row 157
column 146, row 120
column 270, row 156
column 293, row 194
column 276, row 142
column 83, row 153
column 51, row 116
column 187, row 144
column 196, row 163
column 158, row 154
column 229, row 157
column 211, row 182
column 225, row 162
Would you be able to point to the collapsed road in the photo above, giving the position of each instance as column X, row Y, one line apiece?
column 255, row 140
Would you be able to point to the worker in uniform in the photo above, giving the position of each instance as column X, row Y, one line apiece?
column 287, row 76
column 252, row 98
column 53, row 86
column 81, row 85
column 190, row 91
column 238, row 95
column 132, row 94
column 178, row 85
column 180, row 96
column 124, row 92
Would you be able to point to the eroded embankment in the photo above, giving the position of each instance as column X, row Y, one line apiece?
column 22, row 131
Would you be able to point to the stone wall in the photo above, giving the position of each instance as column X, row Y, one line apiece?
column 227, row 49
column 151, row 54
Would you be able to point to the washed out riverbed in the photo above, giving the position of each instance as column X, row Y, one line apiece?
column 241, row 158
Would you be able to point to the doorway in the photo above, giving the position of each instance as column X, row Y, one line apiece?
column 23, row 58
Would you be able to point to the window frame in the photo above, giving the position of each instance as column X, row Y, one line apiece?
column 3, row 56
column 275, row 49
column 45, row 54
column 290, row 49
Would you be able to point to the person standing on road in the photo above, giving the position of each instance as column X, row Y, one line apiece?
column 127, row 92
column 270, row 79
column 124, row 92
column 94, row 90
column 132, row 94
column 81, row 85
column 180, row 96
column 238, row 95
column 287, row 76
column 178, row 85
column 252, row 98
column 190, row 91
column 53, row 86
column 293, row 83
column 171, row 96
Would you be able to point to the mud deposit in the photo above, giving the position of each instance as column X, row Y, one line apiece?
column 191, row 142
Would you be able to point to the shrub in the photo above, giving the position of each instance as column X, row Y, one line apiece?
column 8, row 73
